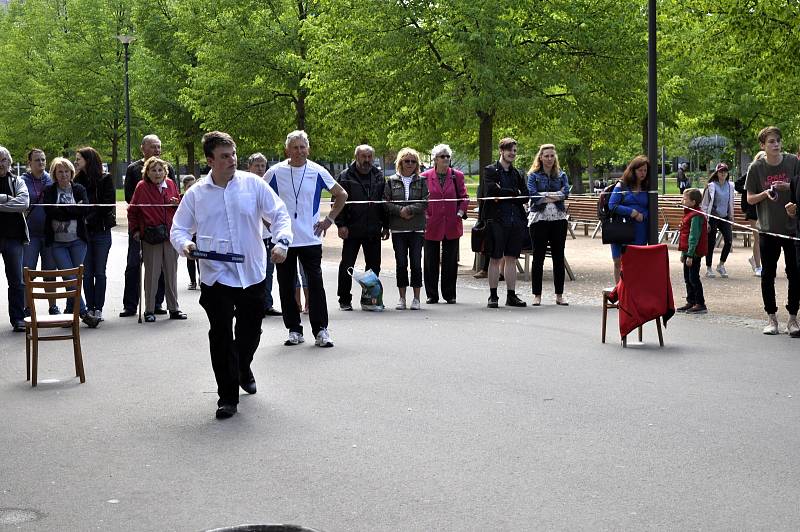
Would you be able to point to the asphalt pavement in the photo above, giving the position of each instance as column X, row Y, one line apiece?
column 451, row 418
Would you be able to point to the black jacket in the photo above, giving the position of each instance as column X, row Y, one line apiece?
column 64, row 213
column 490, row 187
column 363, row 220
column 99, row 218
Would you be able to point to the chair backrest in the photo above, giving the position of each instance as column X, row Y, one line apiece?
column 67, row 287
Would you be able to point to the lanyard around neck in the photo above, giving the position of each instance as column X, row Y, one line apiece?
column 296, row 191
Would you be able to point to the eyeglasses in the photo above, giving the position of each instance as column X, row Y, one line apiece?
column 409, row 161
column 443, row 156
column 42, row 160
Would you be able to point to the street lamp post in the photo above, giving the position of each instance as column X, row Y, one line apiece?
column 126, row 40
column 652, row 122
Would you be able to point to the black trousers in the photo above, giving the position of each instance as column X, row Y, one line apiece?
column 232, row 346
column 727, row 236
column 408, row 248
column 771, row 247
column 449, row 268
column 372, row 258
column 310, row 258
column 130, row 294
column 554, row 234
column 694, row 287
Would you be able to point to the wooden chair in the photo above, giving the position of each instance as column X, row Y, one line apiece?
column 66, row 289
column 608, row 304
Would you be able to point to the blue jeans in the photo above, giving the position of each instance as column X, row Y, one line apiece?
column 94, row 273
column 11, row 250
column 31, row 254
column 70, row 255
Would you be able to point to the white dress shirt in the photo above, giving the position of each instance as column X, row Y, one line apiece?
column 232, row 213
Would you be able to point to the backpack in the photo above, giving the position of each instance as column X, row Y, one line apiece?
column 603, row 211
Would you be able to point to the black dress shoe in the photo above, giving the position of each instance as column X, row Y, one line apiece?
column 226, row 411
column 493, row 302
column 432, row 300
column 19, row 326
column 272, row 312
column 514, row 301
column 160, row 311
column 248, row 385
column 451, row 301
column 127, row 313
column 176, row 315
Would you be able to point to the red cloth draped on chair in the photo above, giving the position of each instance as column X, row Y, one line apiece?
column 644, row 291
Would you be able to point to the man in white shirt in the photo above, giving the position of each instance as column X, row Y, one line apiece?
column 229, row 206
column 299, row 183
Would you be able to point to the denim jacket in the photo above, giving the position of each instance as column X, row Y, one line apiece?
column 539, row 182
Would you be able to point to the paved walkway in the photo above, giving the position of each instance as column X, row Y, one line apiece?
column 449, row 418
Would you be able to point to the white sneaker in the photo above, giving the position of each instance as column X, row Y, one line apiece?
column 295, row 338
column 772, row 325
column 752, row 262
column 758, row 272
column 710, row 272
column 722, row 271
column 415, row 304
column 401, row 305
column 792, row 326
column 324, row 339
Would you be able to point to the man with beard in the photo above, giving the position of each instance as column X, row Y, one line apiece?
column 360, row 225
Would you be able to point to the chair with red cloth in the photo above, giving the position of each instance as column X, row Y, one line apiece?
column 643, row 293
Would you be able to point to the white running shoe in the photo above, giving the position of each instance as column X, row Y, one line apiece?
column 401, row 305
column 722, row 271
column 792, row 327
column 752, row 262
column 710, row 272
column 758, row 272
column 295, row 338
column 772, row 325
column 415, row 304
column 323, row 339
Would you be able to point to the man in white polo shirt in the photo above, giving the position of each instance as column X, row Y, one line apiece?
column 299, row 183
column 229, row 204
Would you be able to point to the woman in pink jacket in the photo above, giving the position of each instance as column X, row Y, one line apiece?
column 443, row 224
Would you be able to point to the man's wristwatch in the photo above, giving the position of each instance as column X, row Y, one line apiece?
column 283, row 242
column 330, row 219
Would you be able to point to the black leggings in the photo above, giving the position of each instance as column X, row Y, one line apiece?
column 554, row 234
column 724, row 227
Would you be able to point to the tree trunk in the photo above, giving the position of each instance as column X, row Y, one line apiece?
column 117, row 176
column 191, row 163
column 485, row 141
column 300, row 109
column 590, row 165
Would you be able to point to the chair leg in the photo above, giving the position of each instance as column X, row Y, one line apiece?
column 660, row 336
column 569, row 270
column 605, row 316
column 27, row 353
column 76, row 347
column 640, row 333
column 625, row 341
column 35, row 361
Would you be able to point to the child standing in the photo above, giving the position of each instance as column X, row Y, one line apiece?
column 693, row 244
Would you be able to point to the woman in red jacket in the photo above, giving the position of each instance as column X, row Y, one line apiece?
column 443, row 224
column 152, row 225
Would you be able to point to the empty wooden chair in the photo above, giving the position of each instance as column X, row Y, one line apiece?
column 37, row 323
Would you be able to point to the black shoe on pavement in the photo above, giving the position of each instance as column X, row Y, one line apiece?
column 226, row 411
column 697, row 309
column 272, row 312
column 54, row 310
column 451, row 301
column 177, row 315
column 493, row 302
column 248, row 383
column 19, row 326
column 794, row 334
column 685, row 307
column 127, row 313
column 160, row 311
column 346, row 306
column 514, row 301
column 432, row 301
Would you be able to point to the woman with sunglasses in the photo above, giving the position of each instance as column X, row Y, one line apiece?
column 718, row 202
column 406, row 195
column 447, row 207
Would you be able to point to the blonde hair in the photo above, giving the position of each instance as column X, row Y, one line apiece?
column 403, row 153
column 537, row 161
column 59, row 162
column 150, row 163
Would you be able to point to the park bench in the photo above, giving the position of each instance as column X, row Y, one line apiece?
column 582, row 210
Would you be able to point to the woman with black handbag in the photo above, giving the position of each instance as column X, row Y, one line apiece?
column 629, row 202
column 152, row 225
